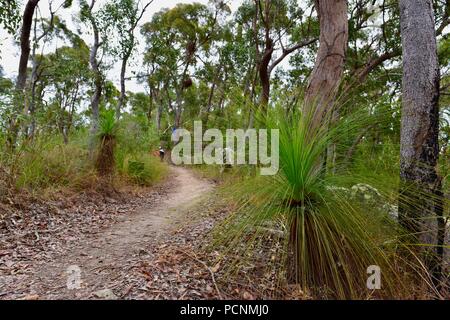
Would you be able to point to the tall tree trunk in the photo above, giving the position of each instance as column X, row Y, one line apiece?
column 264, row 75
column 127, row 54
column 251, row 119
column 95, row 99
column 123, row 72
column 179, row 91
column 20, row 101
column 122, row 96
column 178, row 108
column 328, row 70
column 34, row 81
column 209, row 105
column 30, row 128
column 264, row 58
column 421, row 209
column 151, row 106
column 158, row 117
column 265, row 70
column 25, row 49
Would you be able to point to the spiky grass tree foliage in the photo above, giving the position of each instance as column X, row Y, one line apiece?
column 327, row 238
column 105, row 162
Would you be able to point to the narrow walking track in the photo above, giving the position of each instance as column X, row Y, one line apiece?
column 108, row 255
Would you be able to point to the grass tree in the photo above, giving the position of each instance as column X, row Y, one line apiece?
column 123, row 17
column 177, row 38
column 107, row 135
column 328, row 238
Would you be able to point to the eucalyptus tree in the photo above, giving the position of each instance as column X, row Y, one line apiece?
column 286, row 27
column 21, row 103
column 9, row 20
column 229, row 75
column 374, row 50
column 373, row 68
column 141, row 106
column 27, row 22
column 89, row 15
column 275, row 29
column 123, row 17
column 47, row 28
column 376, row 23
column 178, row 39
column 329, row 67
column 421, row 207
column 64, row 83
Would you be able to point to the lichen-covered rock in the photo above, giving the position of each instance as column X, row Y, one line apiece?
column 368, row 195
column 365, row 192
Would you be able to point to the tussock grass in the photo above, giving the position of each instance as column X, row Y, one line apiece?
column 47, row 163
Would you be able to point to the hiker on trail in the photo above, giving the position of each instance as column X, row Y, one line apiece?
column 227, row 155
column 161, row 153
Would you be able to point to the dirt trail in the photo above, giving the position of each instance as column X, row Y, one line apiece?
column 108, row 255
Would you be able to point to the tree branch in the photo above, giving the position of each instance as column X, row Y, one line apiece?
column 289, row 50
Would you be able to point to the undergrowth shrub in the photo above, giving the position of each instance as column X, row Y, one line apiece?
column 225, row 175
column 46, row 162
column 135, row 161
column 144, row 169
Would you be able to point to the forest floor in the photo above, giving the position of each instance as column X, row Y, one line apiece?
column 133, row 246
column 144, row 243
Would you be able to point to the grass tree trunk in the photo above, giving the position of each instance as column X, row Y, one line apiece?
column 421, row 207
column 328, row 69
column 293, row 275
